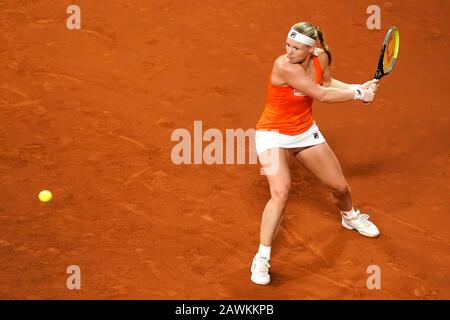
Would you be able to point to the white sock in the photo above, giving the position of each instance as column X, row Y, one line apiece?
column 264, row 252
column 349, row 214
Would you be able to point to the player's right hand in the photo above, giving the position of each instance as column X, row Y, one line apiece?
column 369, row 95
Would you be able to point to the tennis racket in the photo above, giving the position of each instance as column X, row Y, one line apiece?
column 389, row 53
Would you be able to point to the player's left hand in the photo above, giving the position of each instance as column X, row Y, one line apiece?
column 371, row 84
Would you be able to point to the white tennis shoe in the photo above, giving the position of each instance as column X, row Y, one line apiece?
column 260, row 271
column 360, row 222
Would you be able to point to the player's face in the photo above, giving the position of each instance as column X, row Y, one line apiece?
column 297, row 52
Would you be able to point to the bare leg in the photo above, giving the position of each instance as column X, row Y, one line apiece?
column 280, row 183
column 322, row 162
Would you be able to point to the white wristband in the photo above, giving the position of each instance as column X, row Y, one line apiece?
column 359, row 94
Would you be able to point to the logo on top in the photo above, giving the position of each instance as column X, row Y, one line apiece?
column 292, row 35
column 298, row 93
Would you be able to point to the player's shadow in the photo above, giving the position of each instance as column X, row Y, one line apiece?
column 330, row 252
column 364, row 169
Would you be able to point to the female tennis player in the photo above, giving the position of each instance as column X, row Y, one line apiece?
column 286, row 128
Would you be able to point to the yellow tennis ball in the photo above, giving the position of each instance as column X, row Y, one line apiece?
column 45, row 196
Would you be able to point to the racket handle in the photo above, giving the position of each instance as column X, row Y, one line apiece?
column 377, row 75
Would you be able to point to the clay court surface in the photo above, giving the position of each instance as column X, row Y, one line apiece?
column 89, row 113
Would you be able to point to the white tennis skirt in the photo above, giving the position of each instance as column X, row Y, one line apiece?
column 266, row 140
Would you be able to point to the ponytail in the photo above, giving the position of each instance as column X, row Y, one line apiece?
column 323, row 44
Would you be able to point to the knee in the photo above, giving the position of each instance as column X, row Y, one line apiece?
column 280, row 193
column 340, row 189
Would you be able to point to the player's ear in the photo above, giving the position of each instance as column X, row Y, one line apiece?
column 311, row 49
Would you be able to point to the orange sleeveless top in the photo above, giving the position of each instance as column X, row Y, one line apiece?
column 287, row 109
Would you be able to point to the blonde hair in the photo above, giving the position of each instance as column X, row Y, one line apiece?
column 312, row 31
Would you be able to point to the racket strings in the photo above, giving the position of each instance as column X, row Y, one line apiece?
column 390, row 54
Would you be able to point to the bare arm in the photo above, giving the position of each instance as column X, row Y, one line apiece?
column 295, row 76
column 329, row 81
column 342, row 85
column 339, row 84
